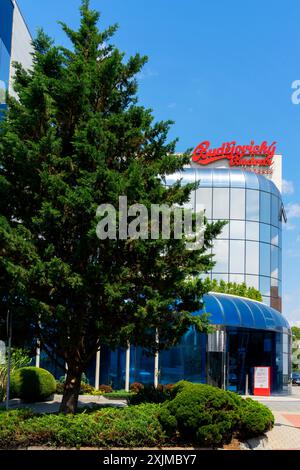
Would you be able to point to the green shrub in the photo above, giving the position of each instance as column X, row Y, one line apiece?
column 32, row 384
column 208, row 416
column 255, row 419
column 136, row 426
column 150, row 394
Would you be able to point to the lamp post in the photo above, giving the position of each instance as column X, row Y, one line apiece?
column 9, row 335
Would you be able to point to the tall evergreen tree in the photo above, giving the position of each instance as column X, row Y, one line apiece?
column 77, row 138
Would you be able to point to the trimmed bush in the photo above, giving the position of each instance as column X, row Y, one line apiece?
column 105, row 389
column 150, row 394
column 32, row 384
column 136, row 426
column 208, row 416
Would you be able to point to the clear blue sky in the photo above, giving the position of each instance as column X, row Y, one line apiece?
column 222, row 70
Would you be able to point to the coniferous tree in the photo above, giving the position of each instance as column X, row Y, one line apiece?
column 77, row 138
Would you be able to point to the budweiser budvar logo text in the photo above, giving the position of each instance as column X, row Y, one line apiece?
column 238, row 155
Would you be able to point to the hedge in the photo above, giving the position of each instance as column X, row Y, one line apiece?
column 32, row 384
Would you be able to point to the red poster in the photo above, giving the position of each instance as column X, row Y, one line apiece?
column 262, row 381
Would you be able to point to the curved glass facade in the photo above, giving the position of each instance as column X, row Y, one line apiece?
column 249, row 247
column 6, row 24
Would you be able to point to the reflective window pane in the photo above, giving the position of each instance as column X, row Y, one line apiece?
column 275, row 211
column 265, row 207
column 204, row 201
column 237, row 229
column 252, row 257
column 220, row 203
column 264, row 285
column 266, row 300
column 251, row 180
column 264, row 234
column 205, row 178
column 274, row 236
column 274, row 261
column 237, row 179
column 252, row 281
column 237, row 256
column 252, row 205
column 237, row 203
column 264, row 259
column 220, row 277
column 238, row 278
column 221, row 178
column 224, row 233
column 252, row 231
column 220, row 249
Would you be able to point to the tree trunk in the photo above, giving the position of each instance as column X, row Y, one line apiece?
column 72, row 389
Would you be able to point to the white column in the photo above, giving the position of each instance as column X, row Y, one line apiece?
column 38, row 355
column 97, row 373
column 127, row 370
column 156, row 362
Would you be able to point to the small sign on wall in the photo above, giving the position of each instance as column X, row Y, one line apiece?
column 262, row 381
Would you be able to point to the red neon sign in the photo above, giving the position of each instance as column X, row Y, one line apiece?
column 203, row 155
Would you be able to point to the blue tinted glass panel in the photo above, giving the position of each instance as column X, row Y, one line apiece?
column 264, row 183
column 141, row 366
column 252, row 257
column 265, row 207
column 264, row 233
column 252, row 205
column 112, row 367
column 251, row 180
column 274, row 261
column 275, row 211
column 252, row 231
column 214, row 308
column 274, row 236
column 237, row 179
column 264, row 285
column 264, row 259
column 231, row 312
column 4, row 71
column 245, row 312
column 6, row 19
column 259, row 318
column 185, row 361
column 237, row 256
column 268, row 316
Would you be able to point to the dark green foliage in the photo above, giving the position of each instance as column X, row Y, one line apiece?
column 255, row 419
column 150, row 394
column 136, row 426
column 209, row 416
column 74, row 139
column 32, row 384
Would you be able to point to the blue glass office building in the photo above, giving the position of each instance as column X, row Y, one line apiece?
column 248, row 333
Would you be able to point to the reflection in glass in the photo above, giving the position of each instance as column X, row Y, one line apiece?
column 275, row 211
column 252, row 231
column 265, row 259
column 252, row 281
column 238, row 278
column 237, row 229
column 264, row 285
column 237, row 256
column 274, row 261
column 237, row 203
column 225, row 232
column 221, row 178
column 274, row 236
column 252, row 257
column 264, row 234
column 237, row 179
column 251, row 180
column 220, row 203
column 204, row 201
column 220, row 249
column 205, row 178
column 252, row 205
column 265, row 206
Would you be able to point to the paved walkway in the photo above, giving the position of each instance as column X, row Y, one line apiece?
column 286, row 433
column 53, row 405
